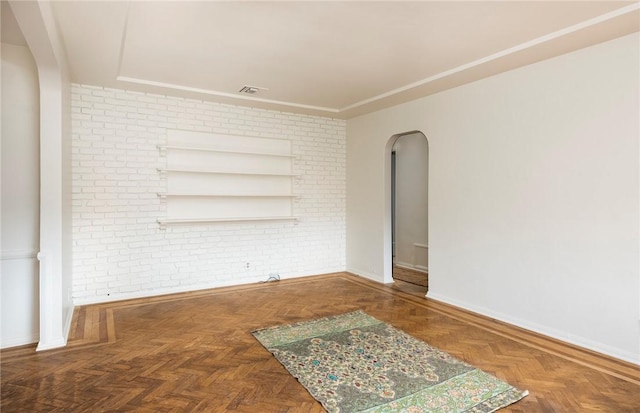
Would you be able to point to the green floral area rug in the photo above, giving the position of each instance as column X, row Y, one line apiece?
column 355, row 363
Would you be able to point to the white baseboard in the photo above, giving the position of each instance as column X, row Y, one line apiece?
column 165, row 291
column 56, row 343
column 541, row 329
column 186, row 288
column 19, row 341
column 67, row 324
column 366, row 274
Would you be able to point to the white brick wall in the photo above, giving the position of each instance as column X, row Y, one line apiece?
column 119, row 251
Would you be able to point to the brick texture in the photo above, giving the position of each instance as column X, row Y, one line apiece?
column 120, row 251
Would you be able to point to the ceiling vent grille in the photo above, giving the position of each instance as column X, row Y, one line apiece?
column 251, row 90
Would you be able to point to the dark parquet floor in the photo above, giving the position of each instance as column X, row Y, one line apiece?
column 410, row 276
column 194, row 352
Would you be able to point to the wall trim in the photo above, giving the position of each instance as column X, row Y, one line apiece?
column 187, row 289
column 162, row 291
column 52, row 344
column 366, row 274
column 20, row 341
column 540, row 329
column 18, row 254
column 67, row 324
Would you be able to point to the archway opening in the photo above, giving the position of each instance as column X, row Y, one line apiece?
column 409, row 218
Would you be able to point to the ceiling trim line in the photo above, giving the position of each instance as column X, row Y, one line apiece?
column 523, row 46
column 223, row 94
column 124, row 38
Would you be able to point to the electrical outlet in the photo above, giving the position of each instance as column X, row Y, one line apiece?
column 247, row 264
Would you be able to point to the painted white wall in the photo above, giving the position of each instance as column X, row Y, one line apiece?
column 120, row 251
column 534, row 195
column 20, row 212
column 66, row 267
column 411, row 221
column 38, row 26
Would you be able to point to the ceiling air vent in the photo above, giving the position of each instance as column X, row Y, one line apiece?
column 251, row 90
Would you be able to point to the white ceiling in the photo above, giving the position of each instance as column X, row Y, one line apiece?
column 9, row 29
column 338, row 59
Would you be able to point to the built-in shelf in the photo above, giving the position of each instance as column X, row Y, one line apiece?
column 205, row 171
column 168, row 195
column 248, row 173
column 229, row 151
column 164, row 222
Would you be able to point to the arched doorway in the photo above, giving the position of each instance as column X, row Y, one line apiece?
column 409, row 208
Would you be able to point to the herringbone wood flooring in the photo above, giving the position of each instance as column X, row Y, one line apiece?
column 195, row 352
column 410, row 276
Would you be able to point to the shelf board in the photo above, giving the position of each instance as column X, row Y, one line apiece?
column 169, row 195
column 203, row 149
column 195, row 171
column 164, row 222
